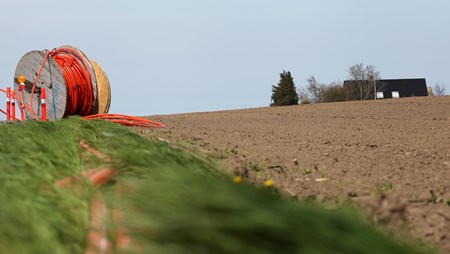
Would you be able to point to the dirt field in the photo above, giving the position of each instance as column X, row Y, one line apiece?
column 391, row 157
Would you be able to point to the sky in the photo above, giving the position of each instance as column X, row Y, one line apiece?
column 178, row 56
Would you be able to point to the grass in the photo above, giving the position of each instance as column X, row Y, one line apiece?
column 175, row 201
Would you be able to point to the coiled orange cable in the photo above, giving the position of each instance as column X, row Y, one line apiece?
column 80, row 99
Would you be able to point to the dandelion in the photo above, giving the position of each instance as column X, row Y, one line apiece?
column 237, row 179
column 268, row 183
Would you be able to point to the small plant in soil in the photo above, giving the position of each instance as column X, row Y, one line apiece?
column 219, row 154
column 254, row 166
column 385, row 187
column 307, row 171
column 264, row 160
column 168, row 134
column 232, row 150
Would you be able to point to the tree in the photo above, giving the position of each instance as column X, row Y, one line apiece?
column 362, row 82
column 439, row 90
column 335, row 92
column 315, row 89
column 304, row 96
column 318, row 92
column 284, row 93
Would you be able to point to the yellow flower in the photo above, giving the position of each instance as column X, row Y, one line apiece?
column 237, row 179
column 268, row 183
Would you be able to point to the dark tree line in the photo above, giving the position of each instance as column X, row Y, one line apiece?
column 361, row 79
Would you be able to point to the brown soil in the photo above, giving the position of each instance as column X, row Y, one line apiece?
column 391, row 157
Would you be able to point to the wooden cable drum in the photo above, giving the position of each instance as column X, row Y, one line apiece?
column 54, row 78
column 103, row 89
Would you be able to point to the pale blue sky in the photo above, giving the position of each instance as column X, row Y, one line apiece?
column 171, row 56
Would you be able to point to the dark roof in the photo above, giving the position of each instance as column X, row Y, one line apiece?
column 405, row 87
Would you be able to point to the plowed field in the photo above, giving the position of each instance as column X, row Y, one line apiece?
column 391, row 157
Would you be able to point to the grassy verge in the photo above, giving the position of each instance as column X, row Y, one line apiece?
column 174, row 201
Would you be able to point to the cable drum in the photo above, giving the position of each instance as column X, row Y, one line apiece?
column 70, row 81
column 74, row 85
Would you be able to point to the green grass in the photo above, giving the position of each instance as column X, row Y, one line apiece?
column 175, row 201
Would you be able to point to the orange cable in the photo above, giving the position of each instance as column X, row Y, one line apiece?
column 35, row 84
column 126, row 120
column 80, row 98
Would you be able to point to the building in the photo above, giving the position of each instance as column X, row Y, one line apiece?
column 395, row 88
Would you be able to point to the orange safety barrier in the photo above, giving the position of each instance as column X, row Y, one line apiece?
column 13, row 105
column 43, row 105
column 115, row 118
column 22, row 106
column 8, row 103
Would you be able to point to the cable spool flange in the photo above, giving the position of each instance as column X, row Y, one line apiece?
column 51, row 78
column 103, row 90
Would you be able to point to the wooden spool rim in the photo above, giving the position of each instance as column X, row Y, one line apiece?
column 103, row 88
column 51, row 79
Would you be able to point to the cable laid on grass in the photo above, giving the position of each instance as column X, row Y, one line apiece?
column 126, row 120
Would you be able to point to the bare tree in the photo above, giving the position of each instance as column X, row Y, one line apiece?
column 439, row 90
column 336, row 83
column 303, row 95
column 315, row 89
column 363, row 79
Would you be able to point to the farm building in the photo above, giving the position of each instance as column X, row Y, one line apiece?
column 395, row 88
